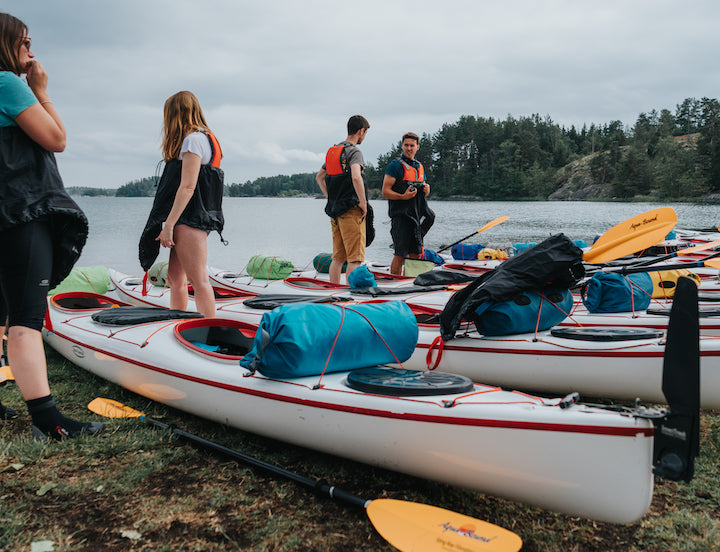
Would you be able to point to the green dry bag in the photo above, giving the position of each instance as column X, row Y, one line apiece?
column 269, row 268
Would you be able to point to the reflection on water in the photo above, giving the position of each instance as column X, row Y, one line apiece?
column 298, row 229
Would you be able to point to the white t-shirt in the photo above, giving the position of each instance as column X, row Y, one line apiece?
column 199, row 144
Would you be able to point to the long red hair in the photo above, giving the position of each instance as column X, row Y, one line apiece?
column 182, row 116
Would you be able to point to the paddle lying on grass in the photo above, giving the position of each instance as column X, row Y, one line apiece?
column 486, row 227
column 5, row 374
column 405, row 525
column 632, row 235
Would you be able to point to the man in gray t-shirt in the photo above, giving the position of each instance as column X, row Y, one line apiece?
column 342, row 182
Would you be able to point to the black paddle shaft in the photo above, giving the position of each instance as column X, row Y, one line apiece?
column 457, row 242
column 319, row 486
column 644, row 268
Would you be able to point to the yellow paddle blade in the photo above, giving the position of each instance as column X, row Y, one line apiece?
column 701, row 247
column 410, row 526
column 493, row 223
column 712, row 263
column 6, row 374
column 112, row 409
column 633, row 235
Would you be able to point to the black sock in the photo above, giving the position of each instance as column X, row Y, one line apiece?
column 49, row 422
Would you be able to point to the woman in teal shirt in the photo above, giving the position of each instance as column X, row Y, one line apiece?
column 42, row 230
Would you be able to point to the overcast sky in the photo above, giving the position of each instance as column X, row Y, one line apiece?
column 278, row 80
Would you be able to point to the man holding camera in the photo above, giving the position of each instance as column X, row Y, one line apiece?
column 406, row 190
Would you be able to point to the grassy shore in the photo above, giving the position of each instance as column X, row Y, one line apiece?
column 134, row 488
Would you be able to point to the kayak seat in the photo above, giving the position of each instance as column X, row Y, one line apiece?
column 314, row 284
column 219, row 339
column 606, row 334
column 269, row 301
column 399, row 382
column 83, row 303
column 428, row 319
column 128, row 316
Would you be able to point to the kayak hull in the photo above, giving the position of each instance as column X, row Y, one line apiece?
column 543, row 363
column 579, row 460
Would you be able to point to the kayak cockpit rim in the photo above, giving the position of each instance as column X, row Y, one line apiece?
column 79, row 301
column 216, row 337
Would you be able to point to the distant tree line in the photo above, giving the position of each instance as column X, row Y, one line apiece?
column 145, row 187
column 671, row 155
column 276, row 186
column 92, row 192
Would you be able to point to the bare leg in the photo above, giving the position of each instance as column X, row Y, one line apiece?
column 27, row 359
column 177, row 280
column 191, row 250
column 396, row 265
column 335, row 271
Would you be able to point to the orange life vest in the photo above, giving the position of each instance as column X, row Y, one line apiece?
column 340, row 190
column 413, row 175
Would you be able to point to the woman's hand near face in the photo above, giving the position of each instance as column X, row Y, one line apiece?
column 41, row 121
column 37, row 79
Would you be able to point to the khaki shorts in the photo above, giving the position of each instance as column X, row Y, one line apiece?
column 348, row 232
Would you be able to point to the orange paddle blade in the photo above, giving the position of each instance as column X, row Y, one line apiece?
column 633, row 235
column 113, row 409
column 6, row 374
column 413, row 526
column 712, row 263
column 493, row 223
column 701, row 247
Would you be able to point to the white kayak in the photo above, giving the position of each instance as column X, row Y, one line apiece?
column 229, row 297
column 628, row 365
column 306, row 282
column 597, row 358
column 567, row 457
column 656, row 317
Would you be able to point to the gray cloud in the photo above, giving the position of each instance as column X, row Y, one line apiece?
column 278, row 80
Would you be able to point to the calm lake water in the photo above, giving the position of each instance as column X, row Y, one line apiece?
column 297, row 228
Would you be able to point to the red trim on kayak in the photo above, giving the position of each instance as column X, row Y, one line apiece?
column 617, row 353
column 462, row 421
column 302, row 282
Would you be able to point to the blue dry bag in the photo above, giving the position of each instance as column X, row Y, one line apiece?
column 520, row 315
column 361, row 277
column 465, row 251
column 613, row 292
column 430, row 255
column 301, row 339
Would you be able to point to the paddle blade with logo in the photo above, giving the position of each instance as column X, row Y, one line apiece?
column 633, row 235
column 415, row 526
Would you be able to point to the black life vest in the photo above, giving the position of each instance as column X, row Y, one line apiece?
column 204, row 210
column 340, row 190
column 31, row 188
